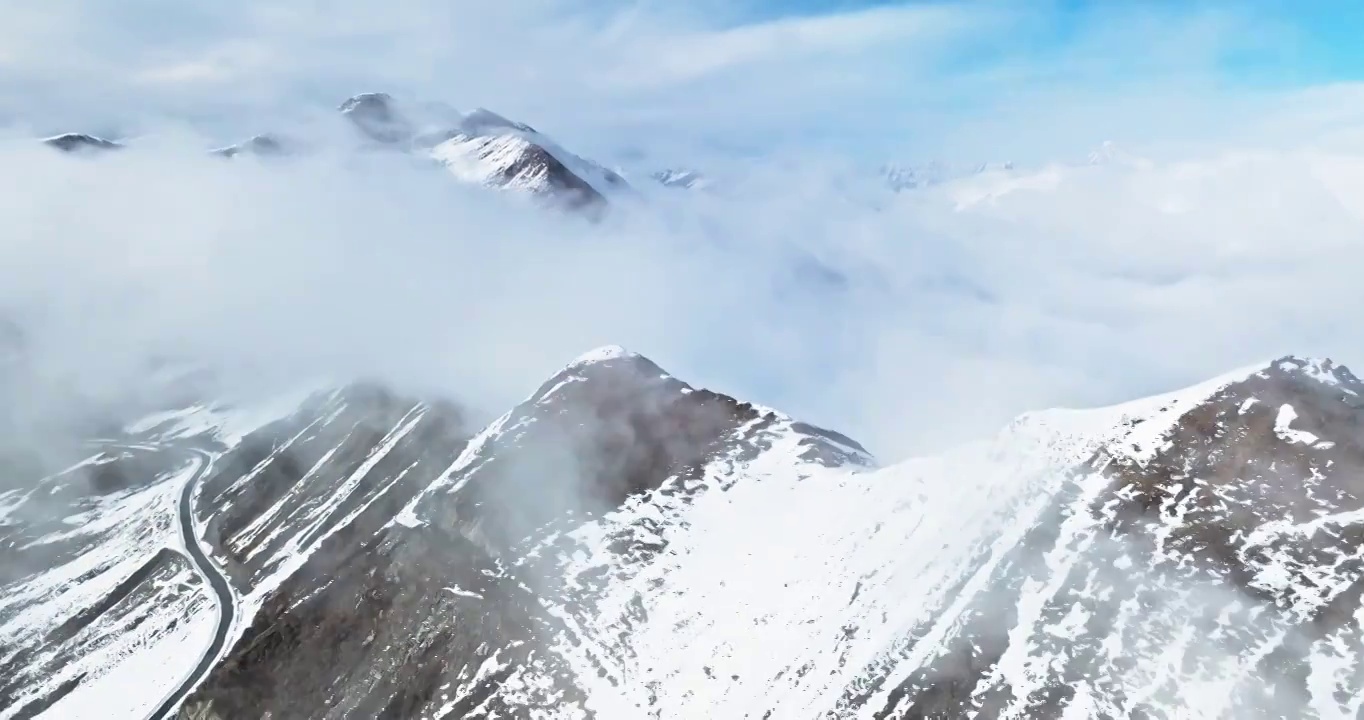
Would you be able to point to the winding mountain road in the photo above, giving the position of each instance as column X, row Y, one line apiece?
column 227, row 604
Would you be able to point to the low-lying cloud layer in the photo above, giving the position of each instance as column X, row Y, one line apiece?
column 906, row 320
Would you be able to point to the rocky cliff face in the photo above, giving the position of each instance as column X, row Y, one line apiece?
column 623, row 545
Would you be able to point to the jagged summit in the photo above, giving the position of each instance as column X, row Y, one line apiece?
column 1323, row 370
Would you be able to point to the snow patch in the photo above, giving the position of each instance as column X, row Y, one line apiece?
column 1282, row 423
column 602, row 354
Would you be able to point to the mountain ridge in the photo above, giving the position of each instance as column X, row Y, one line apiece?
column 480, row 147
column 622, row 544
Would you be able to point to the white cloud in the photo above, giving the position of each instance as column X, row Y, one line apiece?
column 958, row 306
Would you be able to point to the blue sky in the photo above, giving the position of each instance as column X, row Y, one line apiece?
column 1314, row 42
column 976, row 80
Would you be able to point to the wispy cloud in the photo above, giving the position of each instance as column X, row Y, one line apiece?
column 914, row 31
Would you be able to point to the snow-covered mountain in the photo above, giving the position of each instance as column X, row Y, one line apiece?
column 681, row 178
column 485, row 148
column 80, row 142
column 912, row 177
column 624, row 545
column 264, row 145
column 479, row 147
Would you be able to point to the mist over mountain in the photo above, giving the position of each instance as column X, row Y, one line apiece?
column 710, row 360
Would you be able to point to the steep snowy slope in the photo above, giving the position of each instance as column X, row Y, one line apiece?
column 105, row 612
column 96, row 579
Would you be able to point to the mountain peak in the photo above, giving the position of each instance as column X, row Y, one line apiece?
column 1323, row 370
column 72, row 142
column 1110, row 153
column 481, row 120
column 262, row 145
column 368, row 102
column 375, row 115
column 680, row 178
column 604, row 353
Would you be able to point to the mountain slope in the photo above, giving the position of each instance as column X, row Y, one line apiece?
column 623, row 545
column 99, row 587
column 477, row 544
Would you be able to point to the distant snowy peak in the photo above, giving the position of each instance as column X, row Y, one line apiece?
column 265, row 145
column 681, row 178
column 480, row 147
column 484, row 148
column 1110, row 153
column 374, row 115
column 81, row 142
column 911, row 177
column 515, row 162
